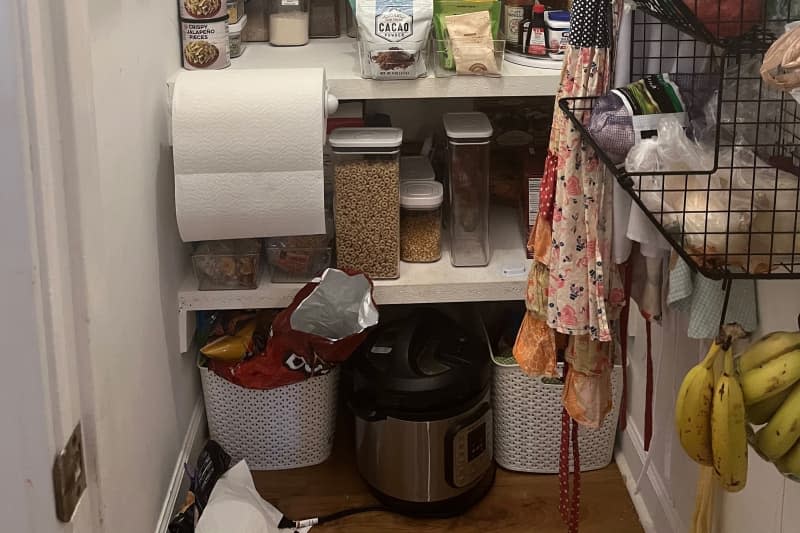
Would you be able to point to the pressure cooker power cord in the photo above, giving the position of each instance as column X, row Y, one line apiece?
column 286, row 523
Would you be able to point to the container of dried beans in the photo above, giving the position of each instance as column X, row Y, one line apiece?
column 367, row 199
column 421, row 221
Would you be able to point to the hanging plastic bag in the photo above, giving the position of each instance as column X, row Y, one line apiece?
column 703, row 211
column 781, row 66
column 322, row 327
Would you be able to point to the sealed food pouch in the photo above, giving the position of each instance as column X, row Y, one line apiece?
column 322, row 327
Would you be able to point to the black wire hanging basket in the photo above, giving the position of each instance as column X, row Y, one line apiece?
column 736, row 213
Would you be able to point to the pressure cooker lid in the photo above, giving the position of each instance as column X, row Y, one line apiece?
column 421, row 364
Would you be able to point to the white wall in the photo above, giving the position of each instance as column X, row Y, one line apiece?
column 769, row 503
column 143, row 390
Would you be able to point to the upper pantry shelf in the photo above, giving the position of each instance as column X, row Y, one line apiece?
column 339, row 57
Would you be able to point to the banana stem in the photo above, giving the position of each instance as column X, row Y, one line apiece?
column 711, row 355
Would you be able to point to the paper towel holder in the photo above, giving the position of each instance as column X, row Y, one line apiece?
column 331, row 103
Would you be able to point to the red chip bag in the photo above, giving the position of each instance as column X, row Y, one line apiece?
column 323, row 326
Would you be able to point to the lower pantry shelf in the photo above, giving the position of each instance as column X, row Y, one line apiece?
column 503, row 279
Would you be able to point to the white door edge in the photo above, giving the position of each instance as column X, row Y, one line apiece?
column 56, row 124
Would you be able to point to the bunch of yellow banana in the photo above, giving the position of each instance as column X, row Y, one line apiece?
column 770, row 377
column 710, row 418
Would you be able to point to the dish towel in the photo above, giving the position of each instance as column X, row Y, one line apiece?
column 703, row 299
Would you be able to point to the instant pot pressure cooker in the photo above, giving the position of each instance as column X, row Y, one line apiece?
column 422, row 415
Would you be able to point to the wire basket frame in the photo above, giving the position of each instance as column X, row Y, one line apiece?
column 733, row 215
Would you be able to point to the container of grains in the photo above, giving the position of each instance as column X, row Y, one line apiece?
column 468, row 136
column 288, row 22
column 367, row 199
column 205, row 44
column 421, row 221
column 235, row 34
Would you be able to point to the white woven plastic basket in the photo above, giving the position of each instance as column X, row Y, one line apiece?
column 287, row 427
column 527, row 424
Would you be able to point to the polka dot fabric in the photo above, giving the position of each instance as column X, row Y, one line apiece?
column 589, row 24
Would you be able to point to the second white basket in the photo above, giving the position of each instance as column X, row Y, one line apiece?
column 527, row 423
column 276, row 429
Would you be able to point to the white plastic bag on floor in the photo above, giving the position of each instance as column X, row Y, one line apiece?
column 236, row 507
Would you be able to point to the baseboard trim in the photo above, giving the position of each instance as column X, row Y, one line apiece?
column 653, row 502
column 193, row 442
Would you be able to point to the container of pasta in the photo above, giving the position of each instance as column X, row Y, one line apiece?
column 205, row 44
column 203, row 9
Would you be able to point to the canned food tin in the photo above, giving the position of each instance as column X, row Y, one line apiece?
column 206, row 45
column 203, row 9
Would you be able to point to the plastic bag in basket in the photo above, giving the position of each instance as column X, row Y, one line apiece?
column 322, row 327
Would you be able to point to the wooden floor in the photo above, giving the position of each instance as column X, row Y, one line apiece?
column 516, row 503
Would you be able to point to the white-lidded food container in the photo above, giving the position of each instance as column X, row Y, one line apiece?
column 367, row 199
column 289, row 22
column 557, row 27
column 421, row 221
column 468, row 137
column 235, row 35
column 416, row 167
column 203, row 9
column 205, row 44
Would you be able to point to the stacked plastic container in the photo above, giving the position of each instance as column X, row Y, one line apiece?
column 468, row 137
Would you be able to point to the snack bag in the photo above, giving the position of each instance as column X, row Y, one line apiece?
column 322, row 327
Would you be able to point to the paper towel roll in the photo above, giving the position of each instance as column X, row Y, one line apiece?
column 247, row 147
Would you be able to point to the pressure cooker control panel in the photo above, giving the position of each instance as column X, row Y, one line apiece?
column 469, row 447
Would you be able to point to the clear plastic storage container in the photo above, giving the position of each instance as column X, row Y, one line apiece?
column 468, row 163
column 421, row 221
column 367, row 199
column 288, row 22
column 416, row 167
column 227, row 264
column 300, row 258
column 235, row 36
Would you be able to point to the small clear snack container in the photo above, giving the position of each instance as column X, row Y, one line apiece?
column 367, row 199
column 421, row 221
column 468, row 136
column 227, row 264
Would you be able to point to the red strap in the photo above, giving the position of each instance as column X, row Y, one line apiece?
column 569, row 503
column 547, row 189
column 627, row 274
column 648, row 407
